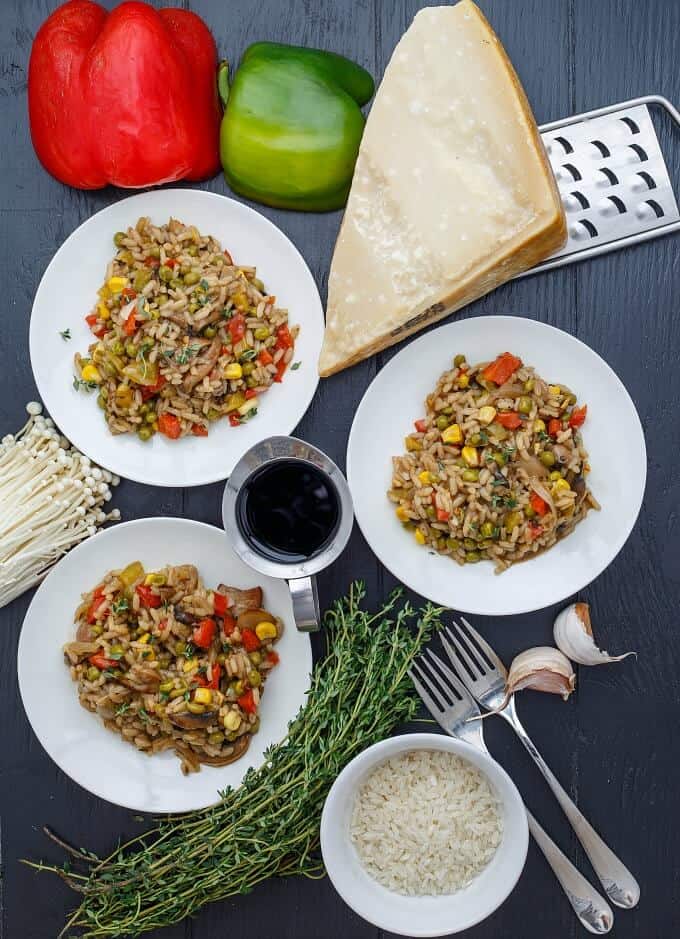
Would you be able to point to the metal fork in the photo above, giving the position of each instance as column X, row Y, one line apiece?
column 486, row 683
column 454, row 709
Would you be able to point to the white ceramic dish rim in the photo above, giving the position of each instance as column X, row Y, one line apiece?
column 382, row 907
column 253, row 758
column 408, row 574
column 160, row 202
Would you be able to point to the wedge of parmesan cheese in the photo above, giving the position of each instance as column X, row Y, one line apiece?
column 452, row 192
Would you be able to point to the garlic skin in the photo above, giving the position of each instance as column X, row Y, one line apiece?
column 541, row 669
column 573, row 634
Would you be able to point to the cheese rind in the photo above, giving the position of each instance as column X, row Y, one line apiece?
column 452, row 192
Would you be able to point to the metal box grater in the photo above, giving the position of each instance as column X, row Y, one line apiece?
column 612, row 178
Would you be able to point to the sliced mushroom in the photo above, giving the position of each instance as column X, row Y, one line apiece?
column 141, row 677
column 250, row 618
column 239, row 748
column 187, row 619
column 184, row 576
column 242, row 600
column 203, row 365
column 84, row 632
column 188, row 721
column 533, row 466
column 75, row 651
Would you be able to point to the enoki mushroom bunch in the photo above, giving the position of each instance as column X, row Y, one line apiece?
column 51, row 497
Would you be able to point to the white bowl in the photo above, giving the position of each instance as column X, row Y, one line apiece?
column 427, row 915
column 68, row 290
column 78, row 742
column 612, row 435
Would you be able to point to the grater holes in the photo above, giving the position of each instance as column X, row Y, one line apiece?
column 630, row 123
column 610, row 175
column 603, row 148
column 571, row 169
column 564, row 143
column 647, row 207
column 580, row 199
column 649, row 180
column 639, row 151
column 586, row 226
column 619, row 204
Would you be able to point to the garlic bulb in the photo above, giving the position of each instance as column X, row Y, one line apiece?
column 574, row 636
column 543, row 669
column 51, row 497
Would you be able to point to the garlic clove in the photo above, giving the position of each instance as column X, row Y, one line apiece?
column 541, row 669
column 573, row 634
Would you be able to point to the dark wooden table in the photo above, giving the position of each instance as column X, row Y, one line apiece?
column 615, row 744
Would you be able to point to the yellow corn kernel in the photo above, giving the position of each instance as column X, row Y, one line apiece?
column 231, row 720
column 265, row 631
column 203, row 696
column 402, row 514
column 104, row 292
column 539, row 426
column 412, row 444
column 116, row 284
column 452, row 434
column 103, row 310
column 463, row 380
column 233, row 371
column 91, row 373
column 555, row 475
column 149, row 655
column 190, row 664
column 155, row 580
column 487, row 414
column 239, row 299
column 426, row 478
column 145, row 638
column 554, row 390
column 470, row 455
column 420, row 537
column 560, row 485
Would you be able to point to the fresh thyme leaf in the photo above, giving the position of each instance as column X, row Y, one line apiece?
column 116, row 656
column 250, row 414
column 295, row 366
column 122, row 708
column 204, row 284
column 119, row 606
column 65, row 334
column 183, row 355
column 189, row 651
column 81, row 385
column 143, row 714
column 247, row 356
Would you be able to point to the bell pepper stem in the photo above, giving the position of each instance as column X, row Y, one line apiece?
column 223, row 82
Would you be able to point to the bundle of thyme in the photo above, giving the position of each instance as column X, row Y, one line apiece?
column 269, row 826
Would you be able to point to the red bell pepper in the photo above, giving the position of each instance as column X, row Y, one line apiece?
column 237, row 327
column 148, row 391
column 215, row 680
column 204, row 633
column 280, row 370
column 284, row 340
column 97, row 606
column 250, row 640
column 265, row 357
column 247, row 702
column 509, row 419
column 127, row 97
column 221, row 603
column 273, row 657
column 500, row 370
column 169, row 425
column 443, row 515
column 102, row 663
column 578, row 416
column 420, row 425
column 234, row 420
column 148, row 597
column 540, row 506
column 535, row 530
column 554, row 427
column 229, row 624
column 199, row 430
column 250, row 393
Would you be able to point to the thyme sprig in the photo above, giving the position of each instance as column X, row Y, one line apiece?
column 269, row 826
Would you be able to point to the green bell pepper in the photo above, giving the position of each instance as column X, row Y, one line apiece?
column 292, row 126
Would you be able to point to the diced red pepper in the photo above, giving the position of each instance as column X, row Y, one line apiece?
column 204, row 633
column 199, row 430
column 554, row 427
column 265, row 357
column 540, row 506
column 127, row 294
column 247, row 702
column 92, row 319
column 250, row 394
column 229, row 624
column 500, row 370
column 101, row 662
column 163, row 625
column 442, row 515
column 130, row 324
column 578, row 416
column 509, row 419
column 101, row 330
column 148, row 391
column 221, row 603
column 535, row 530
column 169, row 425
column 234, row 420
column 171, row 262
column 97, row 605
column 152, row 262
column 216, row 672
column 237, row 327
column 420, row 426
column 280, row 370
column 148, row 597
column 250, row 640
column 273, row 657
column 284, row 340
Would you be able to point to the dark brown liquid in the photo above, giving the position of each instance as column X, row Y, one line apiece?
column 288, row 510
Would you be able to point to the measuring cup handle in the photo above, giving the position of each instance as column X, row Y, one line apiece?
column 305, row 603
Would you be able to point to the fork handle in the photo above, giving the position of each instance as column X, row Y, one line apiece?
column 618, row 882
column 592, row 910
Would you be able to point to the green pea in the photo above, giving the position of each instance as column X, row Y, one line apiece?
column 511, row 520
column 255, row 657
column 430, row 511
column 251, row 382
column 547, row 458
column 180, row 648
column 166, row 687
column 458, row 361
column 175, row 283
column 118, row 348
column 119, row 238
column 192, row 277
column 529, row 511
column 101, row 401
column 524, row 405
column 210, row 332
column 145, row 432
column 452, row 544
column 216, row 738
column 248, row 368
column 474, row 440
column 262, row 333
column 487, row 530
column 192, row 251
column 131, row 350
column 529, row 384
column 141, row 278
column 469, row 544
column 470, row 475
column 165, row 273
column 471, row 557
column 126, row 257
column 442, row 422
column 150, row 416
column 500, row 458
column 213, row 414
column 254, row 678
column 154, row 251
column 117, row 650
column 193, row 307
column 93, row 673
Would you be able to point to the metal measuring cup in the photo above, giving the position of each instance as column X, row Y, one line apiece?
column 299, row 574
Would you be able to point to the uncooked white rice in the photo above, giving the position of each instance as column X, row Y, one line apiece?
column 426, row 822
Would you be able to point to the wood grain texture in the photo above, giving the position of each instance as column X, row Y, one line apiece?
column 614, row 745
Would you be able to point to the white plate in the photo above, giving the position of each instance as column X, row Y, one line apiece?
column 612, row 435
column 77, row 740
column 429, row 915
column 68, row 291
